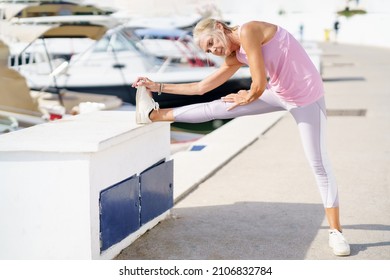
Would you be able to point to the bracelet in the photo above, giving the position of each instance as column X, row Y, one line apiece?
column 160, row 89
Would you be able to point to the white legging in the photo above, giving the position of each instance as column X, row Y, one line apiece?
column 311, row 121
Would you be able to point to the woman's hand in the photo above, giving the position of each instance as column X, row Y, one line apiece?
column 240, row 98
column 149, row 84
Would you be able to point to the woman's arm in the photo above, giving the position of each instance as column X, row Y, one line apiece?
column 252, row 37
column 226, row 70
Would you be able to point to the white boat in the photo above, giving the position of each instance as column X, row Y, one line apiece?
column 16, row 14
column 112, row 64
column 32, row 107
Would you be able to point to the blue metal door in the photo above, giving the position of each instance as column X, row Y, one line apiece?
column 119, row 211
column 156, row 191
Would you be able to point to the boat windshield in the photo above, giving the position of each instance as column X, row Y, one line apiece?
column 114, row 42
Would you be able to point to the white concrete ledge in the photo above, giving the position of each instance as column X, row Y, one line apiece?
column 53, row 175
column 82, row 133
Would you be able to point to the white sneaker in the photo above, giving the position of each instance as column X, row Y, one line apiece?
column 338, row 243
column 144, row 105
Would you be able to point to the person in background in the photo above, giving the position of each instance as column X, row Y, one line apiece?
column 301, row 31
column 336, row 27
column 283, row 78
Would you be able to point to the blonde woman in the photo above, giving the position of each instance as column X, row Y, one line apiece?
column 283, row 78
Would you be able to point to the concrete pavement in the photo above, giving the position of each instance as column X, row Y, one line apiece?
column 262, row 202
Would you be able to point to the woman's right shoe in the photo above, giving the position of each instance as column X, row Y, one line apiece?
column 144, row 105
column 338, row 243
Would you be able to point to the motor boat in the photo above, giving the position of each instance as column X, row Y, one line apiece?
column 29, row 106
column 114, row 62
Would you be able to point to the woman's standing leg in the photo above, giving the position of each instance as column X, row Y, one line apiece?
column 311, row 120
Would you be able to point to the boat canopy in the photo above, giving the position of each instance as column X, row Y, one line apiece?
column 27, row 30
column 29, row 9
column 30, row 33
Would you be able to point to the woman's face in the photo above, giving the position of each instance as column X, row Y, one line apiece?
column 215, row 45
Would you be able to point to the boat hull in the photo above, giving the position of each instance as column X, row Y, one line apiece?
column 127, row 93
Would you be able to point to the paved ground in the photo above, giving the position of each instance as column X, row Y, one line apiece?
column 264, row 203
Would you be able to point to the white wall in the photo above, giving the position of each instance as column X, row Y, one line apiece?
column 52, row 175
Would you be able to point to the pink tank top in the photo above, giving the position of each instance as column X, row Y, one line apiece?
column 292, row 74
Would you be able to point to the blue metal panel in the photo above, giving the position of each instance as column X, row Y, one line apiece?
column 156, row 191
column 119, row 212
column 197, row 148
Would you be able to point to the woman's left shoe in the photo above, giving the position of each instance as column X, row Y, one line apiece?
column 338, row 243
column 144, row 105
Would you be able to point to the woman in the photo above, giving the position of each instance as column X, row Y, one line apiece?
column 283, row 78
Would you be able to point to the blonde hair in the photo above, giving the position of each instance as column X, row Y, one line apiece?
column 208, row 26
